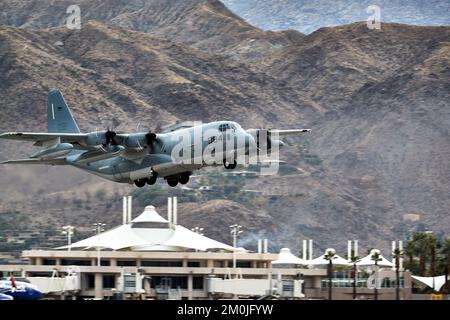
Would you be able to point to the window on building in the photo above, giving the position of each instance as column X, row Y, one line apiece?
column 91, row 281
column 109, row 281
column 126, row 263
column 69, row 262
column 243, row 264
column 174, row 282
column 155, row 263
column 193, row 264
column 49, row 262
column 105, row 263
column 198, row 283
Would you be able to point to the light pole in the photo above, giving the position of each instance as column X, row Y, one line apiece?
column 235, row 231
column 98, row 228
column 68, row 230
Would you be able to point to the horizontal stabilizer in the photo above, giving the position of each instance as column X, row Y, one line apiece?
column 283, row 133
column 53, row 162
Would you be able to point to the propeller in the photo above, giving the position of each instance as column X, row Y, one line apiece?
column 109, row 138
column 151, row 139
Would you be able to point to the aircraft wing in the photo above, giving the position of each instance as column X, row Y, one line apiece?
column 54, row 162
column 283, row 133
column 42, row 137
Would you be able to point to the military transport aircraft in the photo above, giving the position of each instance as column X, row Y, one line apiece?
column 141, row 158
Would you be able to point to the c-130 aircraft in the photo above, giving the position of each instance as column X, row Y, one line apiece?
column 141, row 158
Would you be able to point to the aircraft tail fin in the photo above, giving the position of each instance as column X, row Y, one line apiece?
column 59, row 117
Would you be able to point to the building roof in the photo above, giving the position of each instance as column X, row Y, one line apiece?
column 149, row 215
column 336, row 260
column 136, row 238
column 368, row 261
column 286, row 257
column 438, row 281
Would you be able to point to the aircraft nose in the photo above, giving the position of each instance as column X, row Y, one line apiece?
column 36, row 294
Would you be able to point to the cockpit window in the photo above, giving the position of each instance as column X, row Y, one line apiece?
column 224, row 127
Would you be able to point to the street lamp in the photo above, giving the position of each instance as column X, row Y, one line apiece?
column 68, row 230
column 98, row 228
column 235, row 231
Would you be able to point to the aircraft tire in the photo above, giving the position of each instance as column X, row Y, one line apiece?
column 172, row 182
column 184, row 178
column 152, row 179
column 139, row 183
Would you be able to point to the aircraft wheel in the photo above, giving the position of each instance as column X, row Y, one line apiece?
column 172, row 182
column 139, row 183
column 152, row 179
column 229, row 165
column 184, row 178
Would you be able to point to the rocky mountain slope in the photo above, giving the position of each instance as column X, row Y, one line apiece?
column 308, row 16
column 378, row 101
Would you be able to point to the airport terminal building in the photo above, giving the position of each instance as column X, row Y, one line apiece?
column 151, row 257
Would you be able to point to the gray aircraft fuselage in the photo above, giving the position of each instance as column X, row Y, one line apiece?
column 132, row 165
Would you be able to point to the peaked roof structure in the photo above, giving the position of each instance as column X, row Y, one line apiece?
column 149, row 215
column 336, row 260
column 134, row 237
column 286, row 257
column 368, row 261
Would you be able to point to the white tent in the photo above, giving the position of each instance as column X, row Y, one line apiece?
column 438, row 281
column 149, row 215
column 286, row 257
column 138, row 238
column 368, row 261
column 336, row 260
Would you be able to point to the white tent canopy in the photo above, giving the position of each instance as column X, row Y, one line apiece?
column 368, row 261
column 149, row 215
column 286, row 257
column 336, row 260
column 439, row 281
column 132, row 237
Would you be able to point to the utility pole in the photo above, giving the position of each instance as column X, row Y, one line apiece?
column 235, row 231
column 98, row 228
column 68, row 230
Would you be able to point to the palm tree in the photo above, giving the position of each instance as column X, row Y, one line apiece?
column 329, row 255
column 445, row 252
column 375, row 256
column 354, row 259
column 397, row 254
column 410, row 251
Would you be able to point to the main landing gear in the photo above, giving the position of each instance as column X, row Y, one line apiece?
column 182, row 178
column 150, row 181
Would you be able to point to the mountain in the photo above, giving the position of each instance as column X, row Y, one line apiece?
column 203, row 24
column 377, row 100
column 308, row 16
